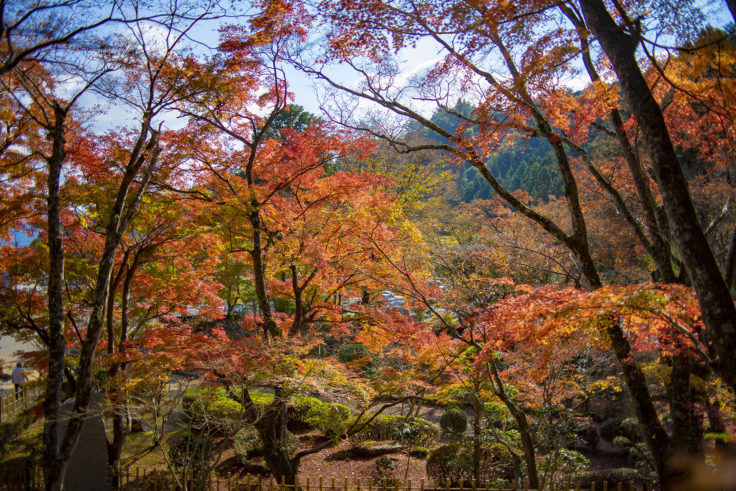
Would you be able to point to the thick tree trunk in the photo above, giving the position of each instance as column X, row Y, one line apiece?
column 272, row 429
column 120, row 216
column 713, row 294
column 57, row 346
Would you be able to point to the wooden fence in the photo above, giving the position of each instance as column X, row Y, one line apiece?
column 28, row 477
column 10, row 405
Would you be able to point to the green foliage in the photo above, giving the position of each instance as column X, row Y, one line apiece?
column 384, row 467
column 420, row 452
column 622, row 475
column 351, row 352
column 246, row 442
column 212, row 405
column 329, row 418
column 454, row 462
column 12, row 430
column 416, row 431
column 297, row 412
column 562, row 465
column 284, row 304
column 454, row 421
column 611, row 428
column 187, row 451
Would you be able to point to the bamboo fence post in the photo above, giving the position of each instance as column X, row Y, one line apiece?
column 408, row 487
column 447, row 485
column 421, row 485
column 345, row 484
column 620, row 487
column 333, row 484
column 605, row 485
column 357, row 484
column 320, row 484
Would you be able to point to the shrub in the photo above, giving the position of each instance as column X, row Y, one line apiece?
column 454, row 462
column 631, row 430
column 297, row 410
column 186, row 451
column 351, row 352
column 211, row 406
column 420, row 452
column 384, row 468
column 586, row 434
column 416, row 431
column 562, row 465
column 329, row 418
column 454, row 421
column 622, row 475
column 611, row 428
column 246, row 443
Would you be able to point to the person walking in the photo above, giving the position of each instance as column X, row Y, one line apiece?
column 19, row 377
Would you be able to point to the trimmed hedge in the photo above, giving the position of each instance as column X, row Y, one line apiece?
column 454, row 421
column 454, row 462
column 329, row 418
column 417, row 431
column 611, row 428
column 622, row 475
column 297, row 411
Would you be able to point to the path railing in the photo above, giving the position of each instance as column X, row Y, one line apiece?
column 10, row 404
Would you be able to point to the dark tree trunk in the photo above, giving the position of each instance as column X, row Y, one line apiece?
column 121, row 214
column 527, row 443
column 272, row 429
column 57, row 347
column 119, row 429
column 715, row 301
column 270, row 329
column 659, row 247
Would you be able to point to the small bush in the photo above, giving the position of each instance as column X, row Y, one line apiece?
column 611, row 428
column 189, row 452
column 417, row 431
column 586, row 434
column 384, row 468
column 631, row 430
column 246, row 443
column 297, row 410
column 420, row 452
column 351, row 352
column 329, row 418
column 622, row 475
column 562, row 465
column 454, row 462
column 454, row 421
